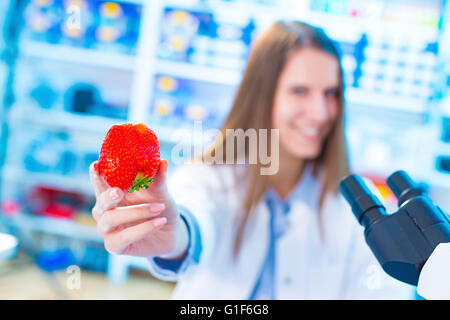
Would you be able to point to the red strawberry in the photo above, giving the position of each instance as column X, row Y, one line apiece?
column 129, row 157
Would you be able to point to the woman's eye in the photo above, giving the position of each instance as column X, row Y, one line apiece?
column 299, row 91
column 332, row 93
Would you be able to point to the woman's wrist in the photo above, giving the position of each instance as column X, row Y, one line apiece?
column 181, row 245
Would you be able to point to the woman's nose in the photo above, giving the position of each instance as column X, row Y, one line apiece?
column 318, row 110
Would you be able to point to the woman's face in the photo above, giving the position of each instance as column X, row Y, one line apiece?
column 306, row 102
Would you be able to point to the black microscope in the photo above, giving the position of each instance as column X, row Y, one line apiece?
column 402, row 241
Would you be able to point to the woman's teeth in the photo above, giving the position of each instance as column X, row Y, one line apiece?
column 308, row 131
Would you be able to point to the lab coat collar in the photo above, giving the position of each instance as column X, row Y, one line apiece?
column 306, row 190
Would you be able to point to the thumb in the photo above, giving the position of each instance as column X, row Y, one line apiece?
column 160, row 177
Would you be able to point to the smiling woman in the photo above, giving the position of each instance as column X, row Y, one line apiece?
column 293, row 83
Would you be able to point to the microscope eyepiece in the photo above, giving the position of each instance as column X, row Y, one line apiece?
column 401, row 241
column 365, row 205
column 403, row 186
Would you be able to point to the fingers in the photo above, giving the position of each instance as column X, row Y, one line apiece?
column 106, row 200
column 128, row 215
column 119, row 241
column 97, row 181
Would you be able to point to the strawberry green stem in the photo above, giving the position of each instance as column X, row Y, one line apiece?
column 140, row 182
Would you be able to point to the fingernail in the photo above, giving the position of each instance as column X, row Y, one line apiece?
column 105, row 228
column 158, row 222
column 114, row 194
column 156, row 207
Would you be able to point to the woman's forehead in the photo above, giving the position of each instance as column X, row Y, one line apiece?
column 311, row 66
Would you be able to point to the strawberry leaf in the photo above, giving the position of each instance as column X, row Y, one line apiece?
column 140, row 182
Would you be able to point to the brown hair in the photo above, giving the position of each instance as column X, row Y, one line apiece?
column 253, row 103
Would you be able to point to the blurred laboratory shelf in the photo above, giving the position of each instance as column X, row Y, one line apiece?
column 74, row 55
column 132, row 1
column 440, row 180
column 77, row 183
column 51, row 118
column 236, row 8
column 55, row 226
column 373, row 99
column 198, row 72
column 440, row 190
column 95, row 125
column 332, row 22
column 182, row 135
column 443, row 147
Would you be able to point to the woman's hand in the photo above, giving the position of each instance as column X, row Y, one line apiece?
column 142, row 223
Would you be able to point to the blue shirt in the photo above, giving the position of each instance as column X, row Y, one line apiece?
column 279, row 210
column 264, row 288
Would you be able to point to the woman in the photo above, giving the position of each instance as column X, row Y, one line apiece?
column 225, row 231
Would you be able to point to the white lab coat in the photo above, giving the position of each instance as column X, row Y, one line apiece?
column 341, row 266
column 434, row 279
